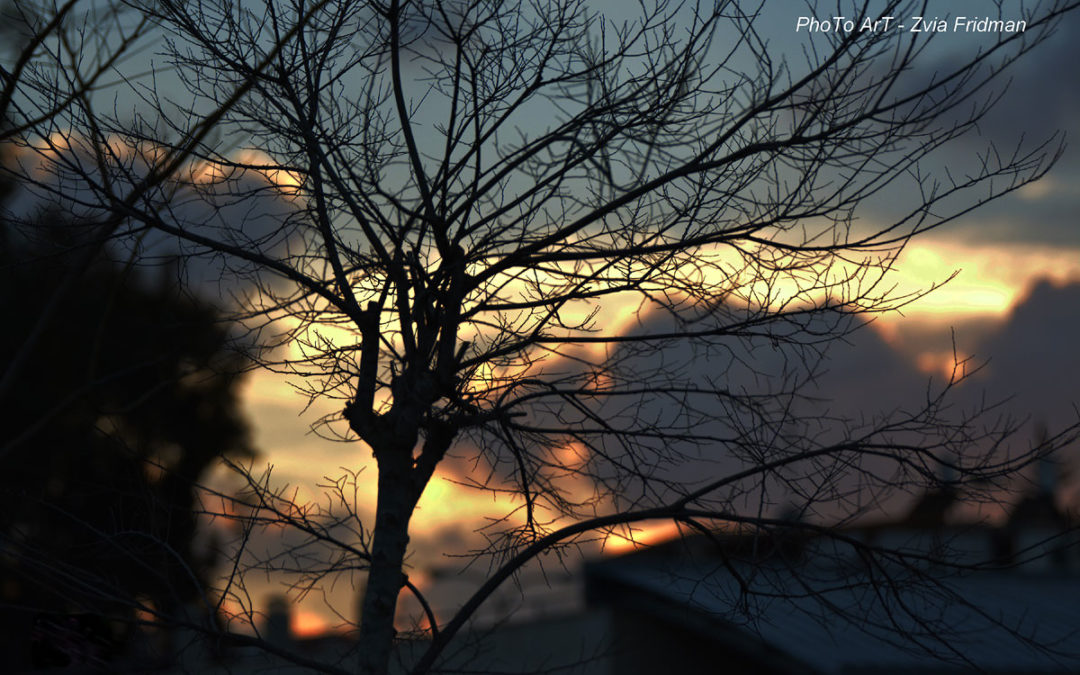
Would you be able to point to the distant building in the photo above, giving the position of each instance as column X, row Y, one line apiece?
column 961, row 598
column 956, row 598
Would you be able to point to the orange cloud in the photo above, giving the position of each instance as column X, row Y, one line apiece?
column 640, row 535
column 305, row 623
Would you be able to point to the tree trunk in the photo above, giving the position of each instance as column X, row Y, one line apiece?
column 396, row 500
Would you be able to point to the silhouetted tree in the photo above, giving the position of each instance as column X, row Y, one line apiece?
column 474, row 183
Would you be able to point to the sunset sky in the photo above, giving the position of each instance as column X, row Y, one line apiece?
column 1014, row 305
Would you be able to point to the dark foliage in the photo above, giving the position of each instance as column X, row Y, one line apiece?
column 124, row 404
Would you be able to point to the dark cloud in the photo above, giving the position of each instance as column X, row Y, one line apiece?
column 1035, row 103
column 1034, row 358
column 1028, row 363
column 1042, row 96
column 1039, row 99
column 718, row 406
column 813, row 393
column 245, row 211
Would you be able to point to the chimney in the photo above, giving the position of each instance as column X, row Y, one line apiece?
column 1048, row 471
column 276, row 628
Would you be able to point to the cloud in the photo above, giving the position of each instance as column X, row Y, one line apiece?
column 1037, row 103
column 245, row 206
column 722, row 405
column 1033, row 356
column 1033, row 369
column 1038, row 94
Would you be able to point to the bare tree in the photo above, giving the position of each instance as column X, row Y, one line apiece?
column 474, row 185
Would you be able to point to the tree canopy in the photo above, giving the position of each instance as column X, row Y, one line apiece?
column 598, row 254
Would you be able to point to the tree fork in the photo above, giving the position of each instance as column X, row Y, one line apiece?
column 359, row 412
